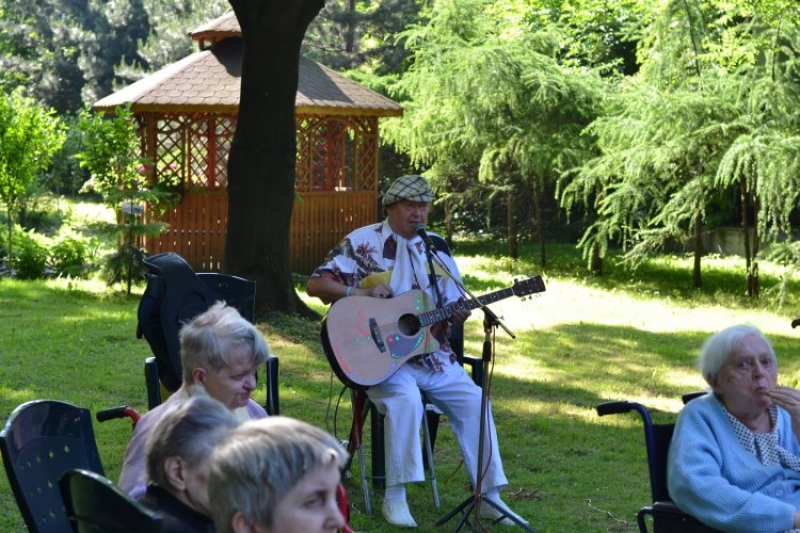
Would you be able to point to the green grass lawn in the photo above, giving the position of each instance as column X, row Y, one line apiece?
column 585, row 340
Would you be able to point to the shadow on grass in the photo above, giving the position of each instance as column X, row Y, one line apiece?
column 589, row 471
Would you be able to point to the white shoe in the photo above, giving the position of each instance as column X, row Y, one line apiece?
column 491, row 513
column 396, row 513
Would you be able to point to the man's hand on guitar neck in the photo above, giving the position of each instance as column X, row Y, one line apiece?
column 459, row 316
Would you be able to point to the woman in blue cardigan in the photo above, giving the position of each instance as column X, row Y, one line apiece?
column 734, row 461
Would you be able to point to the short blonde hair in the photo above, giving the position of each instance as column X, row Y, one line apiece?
column 260, row 461
column 208, row 339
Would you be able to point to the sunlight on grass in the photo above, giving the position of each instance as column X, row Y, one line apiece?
column 84, row 213
column 585, row 340
column 94, row 286
column 16, row 395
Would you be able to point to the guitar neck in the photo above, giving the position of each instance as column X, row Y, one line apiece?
column 443, row 313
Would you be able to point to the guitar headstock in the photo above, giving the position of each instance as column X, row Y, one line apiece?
column 528, row 286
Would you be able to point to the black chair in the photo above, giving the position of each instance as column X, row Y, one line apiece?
column 476, row 371
column 235, row 291
column 41, row 440
column 239, row 293
column 665, row 515
column 96, row 505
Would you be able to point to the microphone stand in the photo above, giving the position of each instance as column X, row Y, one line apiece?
column 490, row 324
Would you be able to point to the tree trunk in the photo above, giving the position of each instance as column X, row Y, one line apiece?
column 596, row 261
column 511, row 225
column 698, row 250
column 448, row 221
column 261, row 166
column 350, row 36
column 538, row 195
column 749, row 252
column 753, row 285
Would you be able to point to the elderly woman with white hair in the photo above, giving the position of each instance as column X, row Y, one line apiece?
column 734, row 460
column 276, row 475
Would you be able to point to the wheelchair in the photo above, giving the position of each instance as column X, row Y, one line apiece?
column 664, row 514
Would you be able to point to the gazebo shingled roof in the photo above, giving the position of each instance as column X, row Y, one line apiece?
column 210, row 80
column 226, row 25
column 187, row 115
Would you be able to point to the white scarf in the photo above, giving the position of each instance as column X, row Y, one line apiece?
column 409, row 266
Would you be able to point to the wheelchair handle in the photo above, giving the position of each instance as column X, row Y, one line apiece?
column 614, row 408
column 122, row 411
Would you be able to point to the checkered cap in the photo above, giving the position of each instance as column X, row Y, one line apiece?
column 411, row 187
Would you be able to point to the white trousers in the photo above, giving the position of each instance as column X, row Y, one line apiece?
column 452, row 391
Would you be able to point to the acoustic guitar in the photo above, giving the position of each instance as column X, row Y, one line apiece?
column 366, row 340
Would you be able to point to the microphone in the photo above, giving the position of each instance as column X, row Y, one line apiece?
column 420, row 229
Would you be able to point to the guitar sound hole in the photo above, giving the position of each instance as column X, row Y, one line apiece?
column 409, row 325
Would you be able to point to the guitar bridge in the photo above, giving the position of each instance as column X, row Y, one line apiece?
column 377, row 338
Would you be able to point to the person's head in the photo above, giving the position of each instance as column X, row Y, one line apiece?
column 178, row 451
column 221, row 351
column 740, row 366
column 407, row 203
column 276, row 475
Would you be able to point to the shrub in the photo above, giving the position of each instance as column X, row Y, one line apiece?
column 30, row 255
column 70, row 254
column 124, row 265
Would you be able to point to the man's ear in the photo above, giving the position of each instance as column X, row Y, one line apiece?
column 240, row 524
column 175, row 472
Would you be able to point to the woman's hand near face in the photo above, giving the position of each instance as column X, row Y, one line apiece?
column 789, row 399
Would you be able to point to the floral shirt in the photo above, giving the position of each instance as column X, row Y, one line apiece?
column 366, row 257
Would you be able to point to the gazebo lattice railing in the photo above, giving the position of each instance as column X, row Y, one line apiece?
column 336, row 181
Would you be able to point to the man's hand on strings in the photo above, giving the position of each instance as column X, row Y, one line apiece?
column 381, row 291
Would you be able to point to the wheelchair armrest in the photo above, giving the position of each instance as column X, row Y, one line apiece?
column 476, row 364
column 669, row 518
column 152, row 383
column 272, row 404
column 666, row 506
column 689, row 396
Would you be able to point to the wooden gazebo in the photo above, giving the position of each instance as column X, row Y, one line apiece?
column 186, row 114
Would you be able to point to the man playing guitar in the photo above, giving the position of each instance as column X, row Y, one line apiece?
column 387, row 259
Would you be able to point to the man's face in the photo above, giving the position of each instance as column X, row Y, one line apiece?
column 405, row 215
column 234, row 383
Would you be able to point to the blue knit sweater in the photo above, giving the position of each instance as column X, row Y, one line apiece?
column 711, row 476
